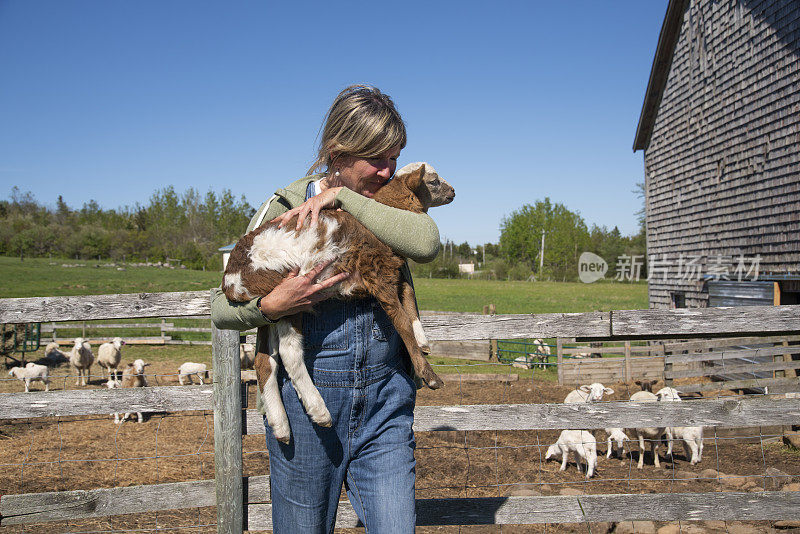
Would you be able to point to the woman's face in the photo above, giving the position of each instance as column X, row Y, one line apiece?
column 366, row 175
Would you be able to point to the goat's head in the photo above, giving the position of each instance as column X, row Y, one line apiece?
column 552, row 451
column 646, row 385
column 117, row 342
column 596, row 391
column 422, row 180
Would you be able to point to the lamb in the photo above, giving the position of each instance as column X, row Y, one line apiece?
column 650, row 433
column 30, row 373
column 132, row 377
column 579, row 441
column 618, row 436
column 186, row 370
column 109, row 356
column 692, row 436
column 262, row 258
column 591, row 393
column 541, row 353
column 81, row 358
column 247, row 355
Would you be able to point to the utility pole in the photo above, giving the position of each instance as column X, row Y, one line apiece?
column 541, row 257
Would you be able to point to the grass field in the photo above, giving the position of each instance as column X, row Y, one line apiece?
column 37, row 277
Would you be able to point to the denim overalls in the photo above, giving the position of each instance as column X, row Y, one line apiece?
column 352, row 354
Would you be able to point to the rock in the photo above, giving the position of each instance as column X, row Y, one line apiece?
column 710, row 473
column 776, row 478
column 734, row 481
column 635, row 527
column 522, row 490
column 683, row 474
column 671, row 528
column 545, row 488
column 571, row 491
column 787, row 524
column 794, row 486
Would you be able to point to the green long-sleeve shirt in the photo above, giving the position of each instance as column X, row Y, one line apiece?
column 412, row 235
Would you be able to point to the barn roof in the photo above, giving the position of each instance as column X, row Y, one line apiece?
column 659, row 72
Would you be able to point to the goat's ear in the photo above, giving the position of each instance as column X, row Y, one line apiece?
column 608, row 391
column 584, row 388
column 638, row 382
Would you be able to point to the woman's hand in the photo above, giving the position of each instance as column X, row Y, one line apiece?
column 298, row 293
column 313, row 206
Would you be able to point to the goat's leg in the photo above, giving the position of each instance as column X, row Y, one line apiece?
column 290, row 348
column 654, row 449
column 610, row 445
column 641, row 452
column 390, row 302
column 266, row 367
column 670, row 438
column 564, row 459
column 409, row 303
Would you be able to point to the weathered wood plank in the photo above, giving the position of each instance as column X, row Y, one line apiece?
column 468, row 350
column 101, row 326
column 228, row 431
column 727, row 342
column 473, row 327
column 733, row 368
column 30, row 508
column 730, row 354
column 740, row 384
column 105, row 401
column 720, row 506
column 694, row 322
column 42, row 309
column 746, row 411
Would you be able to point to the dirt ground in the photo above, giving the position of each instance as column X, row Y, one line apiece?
column 92, row 452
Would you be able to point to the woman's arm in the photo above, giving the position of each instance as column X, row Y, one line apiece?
column 413, row 235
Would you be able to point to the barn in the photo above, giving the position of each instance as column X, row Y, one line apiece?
column 720, row 131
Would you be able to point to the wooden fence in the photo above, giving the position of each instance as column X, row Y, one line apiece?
column 229, row 488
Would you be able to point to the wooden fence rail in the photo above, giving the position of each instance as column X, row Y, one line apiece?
column 231, row 422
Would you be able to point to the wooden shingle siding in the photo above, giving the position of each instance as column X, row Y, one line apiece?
column 722, row 165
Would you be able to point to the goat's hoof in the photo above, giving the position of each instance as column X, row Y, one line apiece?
column 426, row 349
column 323, row 419
column 434, row 382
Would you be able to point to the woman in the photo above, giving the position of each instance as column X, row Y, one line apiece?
column 352, row 350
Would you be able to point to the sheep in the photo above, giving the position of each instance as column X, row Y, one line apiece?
column 591, row 393
column 579, row 441
column 247, row 355
column 692, row 436
column 30, row 373
column 541, row 353
column 109, row 356
column 650, row 433
column 132, row 377
column 618, row 436
column 186, row 370
column 53, row 356
column 263, row 257
column 81, row 358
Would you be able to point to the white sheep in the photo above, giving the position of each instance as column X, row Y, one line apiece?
column 591, row 393
column 618, row 436
column 109, row 356
column 579, row 441
column 30, row 373
column 692, row 436
column 81, row 358
column 53, row 355
column 651, row 433
column 186, row 370
column 247, row 355
column 542, row 353
column 132, row 377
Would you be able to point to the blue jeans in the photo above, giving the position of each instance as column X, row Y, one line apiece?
column 352, row 355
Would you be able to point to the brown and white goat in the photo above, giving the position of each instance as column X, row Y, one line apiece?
column 263, row 257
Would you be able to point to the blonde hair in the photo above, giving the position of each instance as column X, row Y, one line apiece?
column 361, row 122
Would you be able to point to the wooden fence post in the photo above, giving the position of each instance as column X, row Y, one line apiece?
column 560, row 360
column 227, row 431
column 494, row 356
column 628, row 377
column 667, row 366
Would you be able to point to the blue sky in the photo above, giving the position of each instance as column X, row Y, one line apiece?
column 510, row 101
